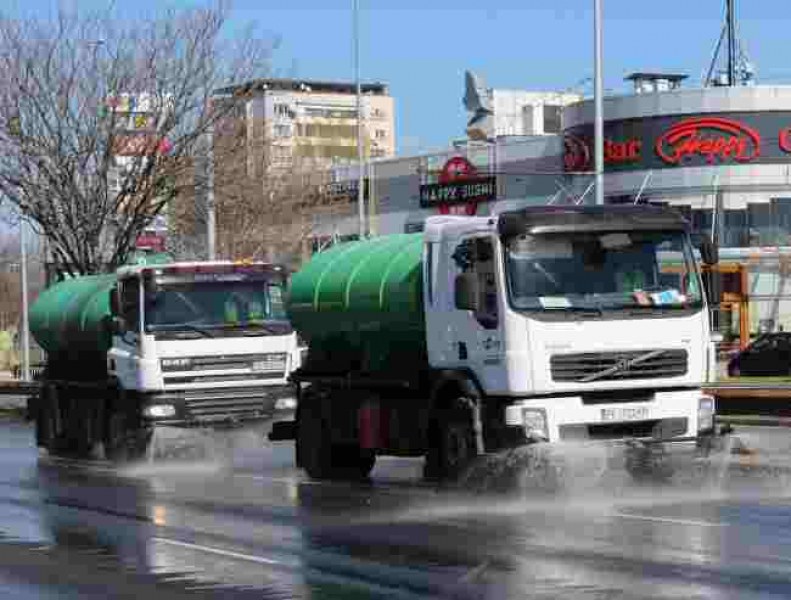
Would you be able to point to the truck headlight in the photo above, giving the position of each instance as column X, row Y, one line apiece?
column 534, row 421
column 160, row 411
column 706, row 409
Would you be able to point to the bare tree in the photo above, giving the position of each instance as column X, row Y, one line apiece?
column 268, row 198
column 87, row 167
column 10, row 283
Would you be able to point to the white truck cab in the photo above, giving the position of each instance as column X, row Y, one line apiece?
column 586, row 323
column 203, row 342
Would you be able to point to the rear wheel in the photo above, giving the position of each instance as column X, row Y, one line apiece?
column 43, row 412
column 319, row 456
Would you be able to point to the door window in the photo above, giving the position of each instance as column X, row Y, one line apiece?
column 130, row 302
column 476, row 256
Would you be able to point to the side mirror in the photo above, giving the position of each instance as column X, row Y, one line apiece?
column 464, row 294
column 115, row 325
column 115, row 308
column 708, row 252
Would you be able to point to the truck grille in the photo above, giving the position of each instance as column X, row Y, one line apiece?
column 211, row 368
column 618, row 366
column 222, row 404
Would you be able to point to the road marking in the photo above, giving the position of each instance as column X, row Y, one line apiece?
column 669, row 520
column 220, row 552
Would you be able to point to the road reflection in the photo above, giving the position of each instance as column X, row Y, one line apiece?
column 95, row 514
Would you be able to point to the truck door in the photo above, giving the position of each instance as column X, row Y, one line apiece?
column 124, row 352
column 477, row 332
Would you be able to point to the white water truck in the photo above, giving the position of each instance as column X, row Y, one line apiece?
column 180, row 344
column 538, row 326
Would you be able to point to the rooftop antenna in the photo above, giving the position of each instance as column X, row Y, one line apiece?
column 737, row 69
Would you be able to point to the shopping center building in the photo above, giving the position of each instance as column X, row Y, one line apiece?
column 721, row 155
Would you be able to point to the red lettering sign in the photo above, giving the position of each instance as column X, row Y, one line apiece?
column 784, row 139
column 711, row 138
column 151, row 241
column 622, row 152
column 576, row 154
column 457, row 169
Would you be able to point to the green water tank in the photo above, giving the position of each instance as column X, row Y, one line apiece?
column 359, row 305
column 70, row 314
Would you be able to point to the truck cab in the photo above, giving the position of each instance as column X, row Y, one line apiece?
column 203, row 342
column 586, row 323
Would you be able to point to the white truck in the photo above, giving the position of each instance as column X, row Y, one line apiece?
column 547, row 324
column 178, row 344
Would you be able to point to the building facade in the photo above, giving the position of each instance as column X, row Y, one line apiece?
column 523, row 113
column 297, row 121
column 722, row 156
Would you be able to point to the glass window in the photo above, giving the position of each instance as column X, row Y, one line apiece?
column 130, row 302
column 594, row 271
column 210, row 305
column 551, row 118
column 476, row 255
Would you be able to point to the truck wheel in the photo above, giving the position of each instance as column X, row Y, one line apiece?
column 313, row 442
column 452, row 444
column 43, row 413
column 123, row 443
column 322, row 459
column 349, row 461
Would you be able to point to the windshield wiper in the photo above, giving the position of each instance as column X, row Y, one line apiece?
column 281, row 328
column 177, row 326
column 589, row 309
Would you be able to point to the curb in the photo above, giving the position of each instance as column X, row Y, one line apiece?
column 19, row 413
column 760, row 420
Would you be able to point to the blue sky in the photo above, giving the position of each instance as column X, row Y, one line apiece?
column 421, row 49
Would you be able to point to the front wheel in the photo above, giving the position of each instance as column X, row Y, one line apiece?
column 452, row 443
column 123, row 443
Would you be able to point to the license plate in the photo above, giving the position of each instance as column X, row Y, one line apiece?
column 631, row 413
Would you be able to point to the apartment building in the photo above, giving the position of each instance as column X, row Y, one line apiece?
column 289, row 121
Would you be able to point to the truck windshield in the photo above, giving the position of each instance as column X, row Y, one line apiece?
column 250, row 306
column 602, row 271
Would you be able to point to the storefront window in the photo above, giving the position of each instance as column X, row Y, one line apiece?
column 765, row 224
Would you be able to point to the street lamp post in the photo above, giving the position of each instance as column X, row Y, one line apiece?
column 211, row 216
column 598, row 125
column 360, row 180
column 25, row 322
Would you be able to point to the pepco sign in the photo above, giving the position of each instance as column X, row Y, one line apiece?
column 685, row 141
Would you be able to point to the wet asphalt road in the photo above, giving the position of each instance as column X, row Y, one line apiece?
column 240, row 522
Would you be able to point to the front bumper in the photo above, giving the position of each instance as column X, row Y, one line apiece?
column 660, row 416
column 214, row 406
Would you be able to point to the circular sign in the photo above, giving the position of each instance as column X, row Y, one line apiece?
column 457, row 168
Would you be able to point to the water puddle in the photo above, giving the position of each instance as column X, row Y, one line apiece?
column 191, row 452
column 590, row 479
